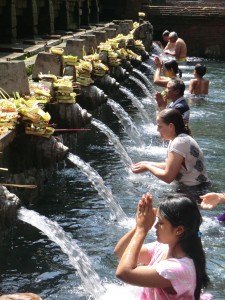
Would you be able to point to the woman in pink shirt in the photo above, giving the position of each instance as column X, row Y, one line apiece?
column 173, row 267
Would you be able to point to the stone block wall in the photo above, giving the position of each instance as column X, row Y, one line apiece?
column 202, row 27
column 29, row 18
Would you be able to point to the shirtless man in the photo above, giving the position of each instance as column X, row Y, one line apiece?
column 199, row 85
column 180, row 48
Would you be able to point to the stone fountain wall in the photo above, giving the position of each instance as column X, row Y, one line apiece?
column 30, row 159
column 44, row 17
column 200, row 23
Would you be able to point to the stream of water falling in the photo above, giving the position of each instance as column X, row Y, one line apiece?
column 77, row 258
column 145, row 79
column 116, row 211
column 149, row 67
column 142, row 86
column 126, row 121
column 135, row 101
column 115, row 141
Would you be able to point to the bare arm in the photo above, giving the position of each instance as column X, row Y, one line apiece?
column 170, row 52
column 124, row 242
column 178, row 49
column 158, row 79
column 167, row 46
column 128, row 270
column 144, row 166
column 206, row 86
column 173, row 165
column 167, row 171
column 211, row 200
column 191, row 86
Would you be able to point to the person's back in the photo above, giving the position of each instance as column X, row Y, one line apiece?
column 193, row 172
column 199, row 85
column 180, row 49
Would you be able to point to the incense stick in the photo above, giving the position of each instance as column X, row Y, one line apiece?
column 29, row 186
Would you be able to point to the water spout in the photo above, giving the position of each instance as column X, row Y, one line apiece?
column 77, row 258
column 126, row 121
column 148, row 67
column 115, row 141
column 158, row 51
column 145, row 79
column 97, row 181
column 135, row 101
column 142, row 86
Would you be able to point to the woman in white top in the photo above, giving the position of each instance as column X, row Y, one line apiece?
column 185, row 161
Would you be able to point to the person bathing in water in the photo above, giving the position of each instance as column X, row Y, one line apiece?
column 180, row 48
column 174, row 266
column 199, row 85
column 170, row 70
column 185, row 162
column 174, row 98
column 169, row 45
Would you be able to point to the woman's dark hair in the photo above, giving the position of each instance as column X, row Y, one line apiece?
column 172, row 115
column 200, row 69
column 172, row 64
column 166, row 33
column 183, row 211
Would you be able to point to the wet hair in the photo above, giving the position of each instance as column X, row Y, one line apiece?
column 172, row 64
column 172, row 115
column 200, row 69
column 183, row 211
column 179, row 85
column 166, row 33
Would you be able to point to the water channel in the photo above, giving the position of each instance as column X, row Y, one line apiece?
column 32, row 260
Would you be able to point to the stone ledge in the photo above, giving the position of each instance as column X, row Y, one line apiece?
column 6, row 139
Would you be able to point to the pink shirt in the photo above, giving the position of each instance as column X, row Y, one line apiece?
column 180, row 272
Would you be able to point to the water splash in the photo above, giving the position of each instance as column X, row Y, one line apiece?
column 136, row 103
column 77, row 258
column 114, row 140
column 158, row 51
column 97, row 181
column 126, row 121
column 121, row 292
column 142, row 86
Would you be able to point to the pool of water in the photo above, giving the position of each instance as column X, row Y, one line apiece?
column 32, row 262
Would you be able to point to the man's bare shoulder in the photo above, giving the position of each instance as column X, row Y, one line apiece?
column 180, row 40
